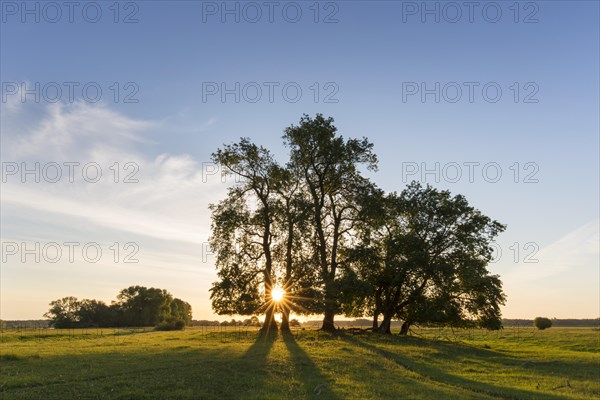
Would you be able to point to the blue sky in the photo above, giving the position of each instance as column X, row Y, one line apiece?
column 366, row 58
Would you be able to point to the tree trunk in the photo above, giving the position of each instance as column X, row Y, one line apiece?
column 269, row 325
column 405, row 327
column 375, row 321
column 328, row 325
column 285, row 308
column 285, row 319
column 386, row 324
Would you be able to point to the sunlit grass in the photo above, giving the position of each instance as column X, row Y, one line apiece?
column 237, row 362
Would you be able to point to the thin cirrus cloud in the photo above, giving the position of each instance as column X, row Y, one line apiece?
column 562, row 281
column 168, row 200
column 571, row 254
column 68, row 130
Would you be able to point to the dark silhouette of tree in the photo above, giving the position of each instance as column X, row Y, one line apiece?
column 328, row 166
column 259, row 234
column 292, row 248
column 242, row 233
column 423, row 256
column 336, row 243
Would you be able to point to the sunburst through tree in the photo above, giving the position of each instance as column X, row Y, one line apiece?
column 277, row 294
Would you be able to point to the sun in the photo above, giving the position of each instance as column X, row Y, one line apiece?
column 277, row 294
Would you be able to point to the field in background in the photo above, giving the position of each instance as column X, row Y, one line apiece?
column 235, row 362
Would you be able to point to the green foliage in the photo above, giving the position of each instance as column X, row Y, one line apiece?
column 542, row 323
column 96, row 313
column 64, row 313
column 172, row 324
column 136, row 306
column 181, row 311
column 141, row 306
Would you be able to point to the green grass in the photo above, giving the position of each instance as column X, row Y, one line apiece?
column 559, row 363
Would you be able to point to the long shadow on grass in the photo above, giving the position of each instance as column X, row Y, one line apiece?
column 159, row 368
column 573, row 370
column 437, row 375
column 314, row 382
column 182, row 372
column 569, row 369
column 259, row 351
column 254, row 361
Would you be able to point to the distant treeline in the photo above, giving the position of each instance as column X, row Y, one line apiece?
column 25, row 324
column 253, row 321
column 247, row 322
column 571, row 323
column 567, row 323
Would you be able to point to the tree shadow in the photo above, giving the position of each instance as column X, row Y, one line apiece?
column 181, row 372
column 576, row 369
column 254, row 362
column 184, row 369
column 436, row 375
column 313, row 381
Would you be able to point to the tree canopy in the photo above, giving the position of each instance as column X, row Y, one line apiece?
column 318, row 229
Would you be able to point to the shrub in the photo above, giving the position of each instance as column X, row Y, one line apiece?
column 542, row 323
column 170, row 325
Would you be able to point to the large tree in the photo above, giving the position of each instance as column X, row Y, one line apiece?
column 422, row 258
column 328, row 166
column 242, row 233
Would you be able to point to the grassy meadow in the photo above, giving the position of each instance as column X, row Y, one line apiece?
column 214, row 363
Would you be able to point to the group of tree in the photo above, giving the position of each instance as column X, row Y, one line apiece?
column 320, row 229
column 135, row 306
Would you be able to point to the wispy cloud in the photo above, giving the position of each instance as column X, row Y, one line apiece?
column 572, row 253
column 564, row 281
column 168, row 200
